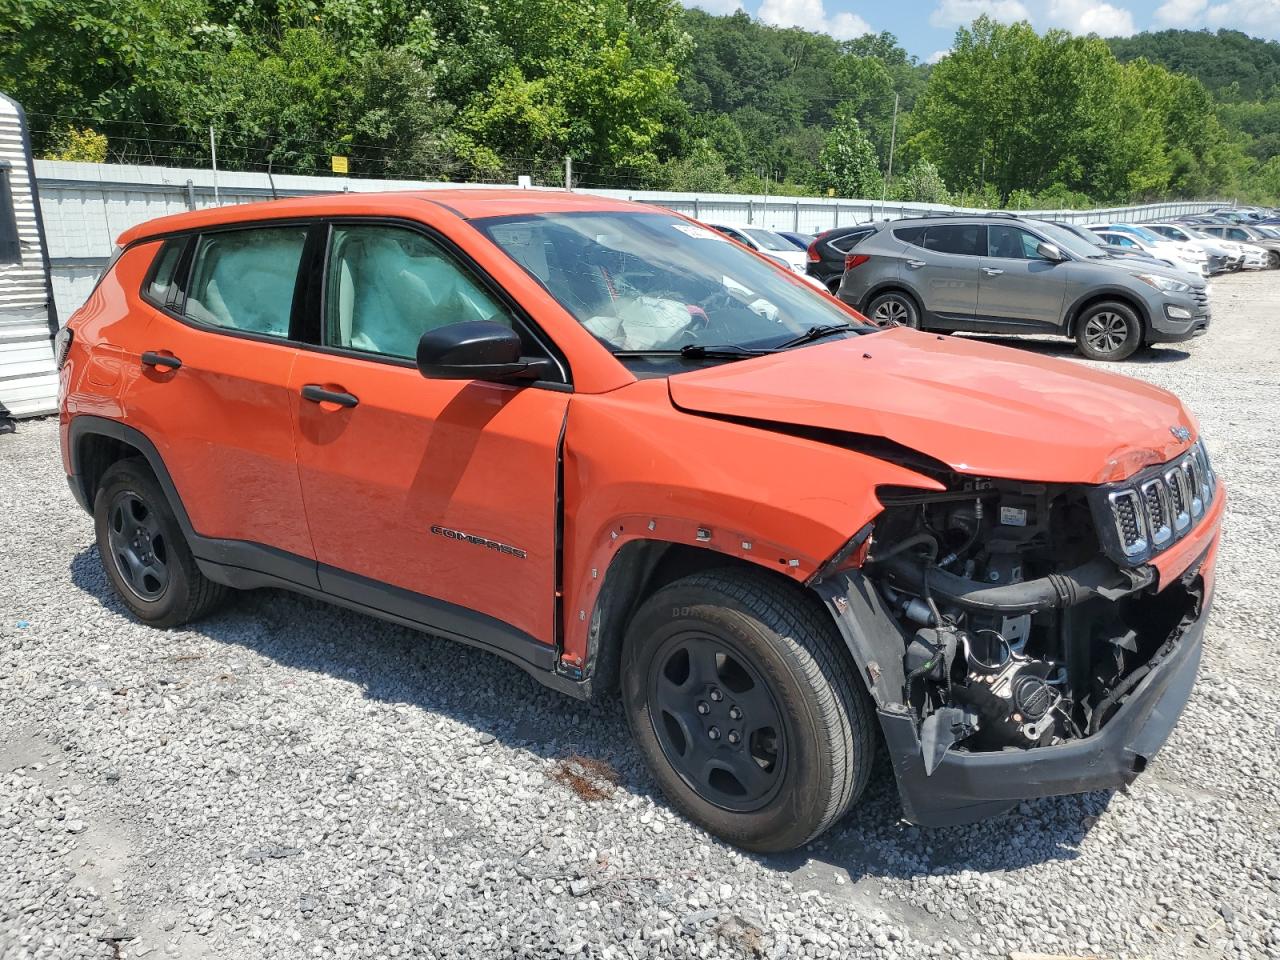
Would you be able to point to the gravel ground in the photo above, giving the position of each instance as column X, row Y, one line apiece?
column 292, row 780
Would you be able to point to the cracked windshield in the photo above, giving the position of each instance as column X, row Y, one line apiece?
column 654, row 284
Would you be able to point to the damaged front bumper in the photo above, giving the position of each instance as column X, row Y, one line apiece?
column 971, row 786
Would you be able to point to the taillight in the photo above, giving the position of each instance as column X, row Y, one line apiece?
column 62, row 346
column 811, row 252
column 855, row 260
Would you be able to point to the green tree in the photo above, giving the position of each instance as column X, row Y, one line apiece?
column 848, row 160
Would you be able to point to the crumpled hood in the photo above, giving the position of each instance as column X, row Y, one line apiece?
column 983, row 409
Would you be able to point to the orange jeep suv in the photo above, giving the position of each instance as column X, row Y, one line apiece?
column 635, row 458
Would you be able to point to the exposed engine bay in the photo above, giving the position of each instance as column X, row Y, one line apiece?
column 1019, row 632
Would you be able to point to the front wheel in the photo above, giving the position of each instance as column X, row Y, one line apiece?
column 746, row 707
column 893, row 310
column 1108, row 331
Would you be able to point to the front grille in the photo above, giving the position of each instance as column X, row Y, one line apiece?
column 1147, row 513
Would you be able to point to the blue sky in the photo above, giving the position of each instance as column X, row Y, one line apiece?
column 925, row 27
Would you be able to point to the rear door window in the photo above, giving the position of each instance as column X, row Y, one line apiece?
column 244, row 280
column 963, row 239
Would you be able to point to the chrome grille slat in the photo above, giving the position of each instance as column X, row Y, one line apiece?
column 1158, row 507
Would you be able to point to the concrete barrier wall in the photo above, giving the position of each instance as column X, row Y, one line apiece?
column 87, row 205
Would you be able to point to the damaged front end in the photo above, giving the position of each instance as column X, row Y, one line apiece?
column 1017, row 637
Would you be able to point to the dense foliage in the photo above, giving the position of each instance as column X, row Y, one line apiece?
column 644, row 93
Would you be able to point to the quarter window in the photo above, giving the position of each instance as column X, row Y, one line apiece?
column 911, row 235
column 1011, row 243
column 161, row 284
column 967, row 239
column 387, row 286
column 244, row 279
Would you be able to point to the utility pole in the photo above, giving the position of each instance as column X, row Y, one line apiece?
column 568, row 174
column 893, row 137
column 213, row 152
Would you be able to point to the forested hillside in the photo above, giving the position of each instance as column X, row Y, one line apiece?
column 644, row 93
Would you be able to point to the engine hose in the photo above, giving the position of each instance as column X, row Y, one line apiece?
column 1095, row 578
column 914, row 540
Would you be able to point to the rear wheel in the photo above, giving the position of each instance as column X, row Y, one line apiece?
column 143, row 551
column 1108, row 331
column 746, row 708
column 893, row 309
column 1273, row 259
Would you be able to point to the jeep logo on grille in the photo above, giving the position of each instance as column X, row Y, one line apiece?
column 1180, row 433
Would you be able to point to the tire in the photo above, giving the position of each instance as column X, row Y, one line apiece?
column 746, row 706
column 1108, row 331
column 1273, row 260
column 893, row 309
column 143, row 551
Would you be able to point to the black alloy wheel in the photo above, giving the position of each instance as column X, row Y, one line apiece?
column 716, row 721
column 138, row 546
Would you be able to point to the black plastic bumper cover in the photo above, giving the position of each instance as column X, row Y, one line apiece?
column 971, row 786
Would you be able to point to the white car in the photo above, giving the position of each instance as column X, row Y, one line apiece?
column 772, row 245
column 1221, row 256
column 1127, row 241
column 1187, row 259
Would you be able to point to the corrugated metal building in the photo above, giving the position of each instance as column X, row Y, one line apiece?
column 28, row 318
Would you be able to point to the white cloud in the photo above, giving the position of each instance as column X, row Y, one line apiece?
column 811, row 15
column 719, row 7
column 1088, row 16
column 1258, row 17
column 846, row 26
column 960, row 13
column 937, row 55
column 1180, row 13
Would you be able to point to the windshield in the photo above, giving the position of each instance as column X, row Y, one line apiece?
column 769, row 240
column 656, row 282
column 1069, row 241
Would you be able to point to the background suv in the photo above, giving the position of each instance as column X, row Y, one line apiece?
column 1004, row 274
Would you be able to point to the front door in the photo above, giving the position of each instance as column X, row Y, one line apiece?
column 1018, row 288
column 435, row 500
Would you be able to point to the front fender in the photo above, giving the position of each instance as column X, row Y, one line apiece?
column 636, row 468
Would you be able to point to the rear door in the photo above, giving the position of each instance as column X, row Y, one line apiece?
column 942, row 265
column 435, row 500
column 1019, row 289
column 213, row 390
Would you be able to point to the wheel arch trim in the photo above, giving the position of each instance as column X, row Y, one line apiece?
column 1109, row 294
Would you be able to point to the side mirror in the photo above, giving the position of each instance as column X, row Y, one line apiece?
column 1050, row 251
column 477, row 350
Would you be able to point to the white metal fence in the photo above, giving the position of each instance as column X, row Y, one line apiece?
column 87, row 205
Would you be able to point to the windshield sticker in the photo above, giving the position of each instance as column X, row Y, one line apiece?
column 698, row 233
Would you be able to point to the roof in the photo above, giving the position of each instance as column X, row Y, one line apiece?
column 465, row 204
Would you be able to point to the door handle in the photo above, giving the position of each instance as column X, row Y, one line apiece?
column 992, row 271
column 152, row 358
column 915, row 264
column 318, row 394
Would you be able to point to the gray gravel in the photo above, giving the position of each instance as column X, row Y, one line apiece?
column 292, row 780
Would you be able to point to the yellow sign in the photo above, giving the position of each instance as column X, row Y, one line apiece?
column 339, row 164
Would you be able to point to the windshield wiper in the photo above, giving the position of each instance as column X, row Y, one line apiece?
column 698, row 351
column 821, row 332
